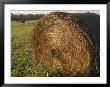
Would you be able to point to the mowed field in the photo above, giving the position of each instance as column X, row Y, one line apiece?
column 21, row 53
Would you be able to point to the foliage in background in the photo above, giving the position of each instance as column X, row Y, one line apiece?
column 25, row 17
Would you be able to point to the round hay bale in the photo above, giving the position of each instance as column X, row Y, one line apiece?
column 68, row 42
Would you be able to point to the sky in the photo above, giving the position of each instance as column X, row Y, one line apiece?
column 46, row 12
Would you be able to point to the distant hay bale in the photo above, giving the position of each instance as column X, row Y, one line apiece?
column 71, row 42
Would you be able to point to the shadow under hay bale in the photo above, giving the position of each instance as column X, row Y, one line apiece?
column 71, row 42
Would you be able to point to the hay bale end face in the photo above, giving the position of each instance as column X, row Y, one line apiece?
column 69, row 41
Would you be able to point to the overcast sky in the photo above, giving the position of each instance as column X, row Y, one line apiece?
column 45, row 12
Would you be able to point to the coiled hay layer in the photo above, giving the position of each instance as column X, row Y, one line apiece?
column 69, row 41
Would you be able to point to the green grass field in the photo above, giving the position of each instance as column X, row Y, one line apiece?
column 21, row 53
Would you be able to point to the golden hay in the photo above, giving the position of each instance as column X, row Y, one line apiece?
column 68, row 42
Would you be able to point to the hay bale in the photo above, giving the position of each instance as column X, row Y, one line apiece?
column 69, row 41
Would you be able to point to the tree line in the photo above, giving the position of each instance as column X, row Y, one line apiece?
column 25, row 17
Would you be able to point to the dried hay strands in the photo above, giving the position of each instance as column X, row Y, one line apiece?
column 69, row 42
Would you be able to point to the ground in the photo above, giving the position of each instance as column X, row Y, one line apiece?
column 21, row 53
